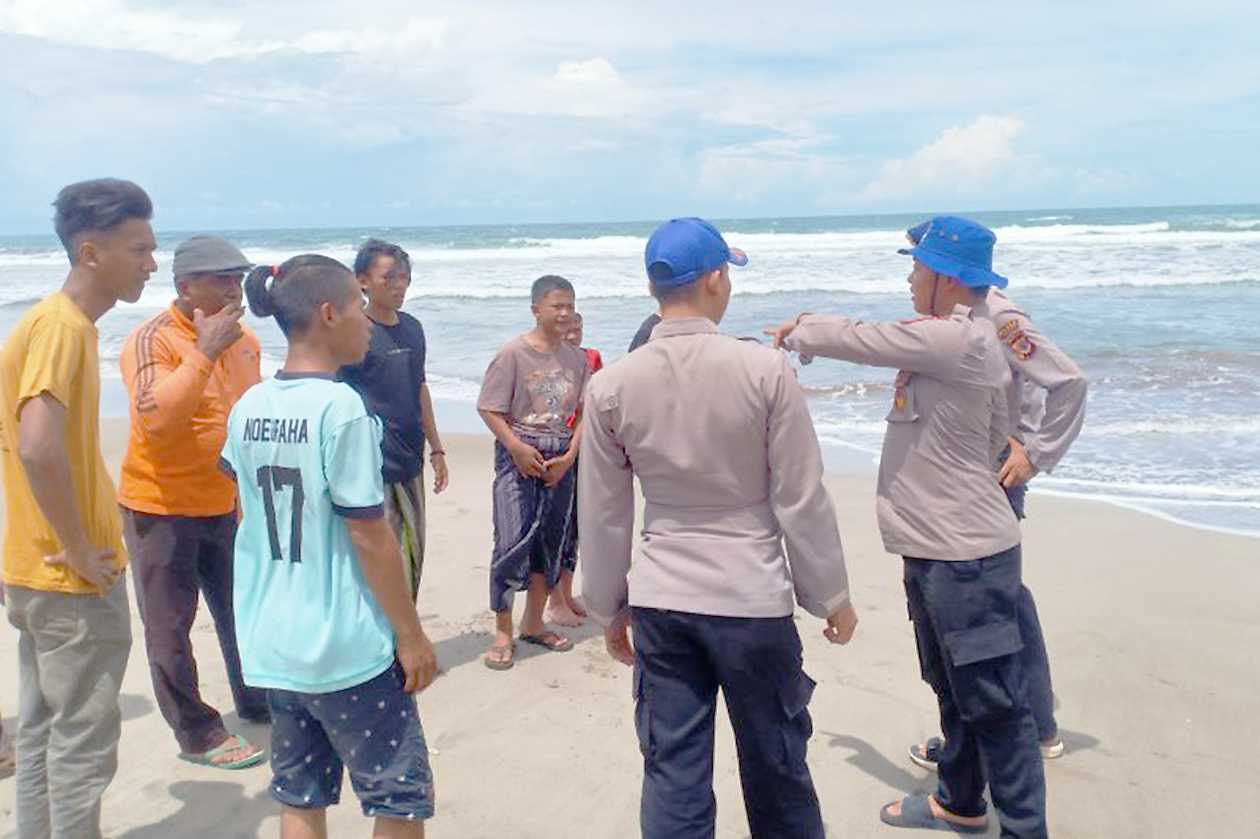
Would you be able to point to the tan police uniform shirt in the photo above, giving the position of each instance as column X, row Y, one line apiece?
column 938, row 495
column 1046, row 430
column 736, row 520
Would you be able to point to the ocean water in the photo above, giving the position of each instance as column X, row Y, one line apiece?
column 1159, row 306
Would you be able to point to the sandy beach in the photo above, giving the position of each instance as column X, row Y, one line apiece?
column 1150, row 626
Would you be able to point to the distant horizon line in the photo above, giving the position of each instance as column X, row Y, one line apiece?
column 814, row 217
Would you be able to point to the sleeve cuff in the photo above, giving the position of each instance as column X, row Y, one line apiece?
column 607, row 620
column 376, row 511
column 200, row 361
column 824, row 609
column 1037, row 459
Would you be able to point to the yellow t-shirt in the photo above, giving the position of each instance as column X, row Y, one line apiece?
column 53, row 350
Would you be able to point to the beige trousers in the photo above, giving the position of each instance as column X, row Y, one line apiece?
column 72, row 652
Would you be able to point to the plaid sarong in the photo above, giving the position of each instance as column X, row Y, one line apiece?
column 534, row 526
column 404, row 510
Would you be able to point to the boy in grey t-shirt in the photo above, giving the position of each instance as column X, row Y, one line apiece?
column 530, row 390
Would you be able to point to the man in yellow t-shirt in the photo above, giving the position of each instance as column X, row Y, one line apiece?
column 184, row 370
column 63, row 555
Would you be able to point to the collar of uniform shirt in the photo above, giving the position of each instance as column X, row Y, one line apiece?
column 683, row 326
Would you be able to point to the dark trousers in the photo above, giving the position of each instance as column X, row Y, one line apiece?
column 966, row 626
column 681, row 661
column 174, row 558
column 1036, row 659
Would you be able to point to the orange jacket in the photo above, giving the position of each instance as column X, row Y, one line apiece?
column 179, row 402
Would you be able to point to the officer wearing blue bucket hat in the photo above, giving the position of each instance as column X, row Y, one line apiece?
column 942, row 509
column 738, row 531
column 1046, row 406
column 956, row 247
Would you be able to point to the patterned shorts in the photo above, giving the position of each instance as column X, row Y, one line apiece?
column 372, row 729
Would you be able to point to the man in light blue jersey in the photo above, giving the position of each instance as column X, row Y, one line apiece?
column 323, row 616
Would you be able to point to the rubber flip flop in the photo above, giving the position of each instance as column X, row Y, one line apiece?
column 230, row 745
column 916, row 812
column 556, row 644
column 500, row 663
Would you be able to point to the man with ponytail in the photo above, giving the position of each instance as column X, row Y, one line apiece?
column 323, row 614
column 184, row 370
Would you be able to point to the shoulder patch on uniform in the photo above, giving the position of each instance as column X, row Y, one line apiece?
column 1009, row 327
column 1020, row 344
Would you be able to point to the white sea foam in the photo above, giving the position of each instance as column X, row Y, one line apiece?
column 1179, row 426
column 1058, row 256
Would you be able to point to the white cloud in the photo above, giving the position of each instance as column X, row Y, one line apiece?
column 589, row 88
column 797, row 111
column 748, row 173
column 959, row 161
column 198, row 37
column 596, row 71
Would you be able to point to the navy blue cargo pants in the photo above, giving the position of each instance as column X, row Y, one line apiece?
column 681, row 661
column 967, row 629
column 1036, row 659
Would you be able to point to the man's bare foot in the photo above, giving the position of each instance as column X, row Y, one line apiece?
column 234, row 752
column 559, row 612
column 578, row 608
column 941, row 813
column 243, row 751
column 501, row 653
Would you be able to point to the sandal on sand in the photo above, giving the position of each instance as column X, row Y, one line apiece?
column 927, row 753
column 552, row 641
column 231, row 744
column 917, row 812
column 505, row 658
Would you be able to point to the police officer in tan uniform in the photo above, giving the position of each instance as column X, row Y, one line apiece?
column 737, row 531
column 941, row 507
column 1046, row 402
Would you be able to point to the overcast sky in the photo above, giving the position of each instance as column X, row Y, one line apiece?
column 374, row 112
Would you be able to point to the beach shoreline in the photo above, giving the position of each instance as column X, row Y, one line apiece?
column 1149, row 626
column 1172, row 421
column 849, row 460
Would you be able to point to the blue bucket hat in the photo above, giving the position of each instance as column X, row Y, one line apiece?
column 684, row 249
column 957, row 247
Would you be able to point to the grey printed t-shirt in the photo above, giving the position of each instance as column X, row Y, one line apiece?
column 537, row 391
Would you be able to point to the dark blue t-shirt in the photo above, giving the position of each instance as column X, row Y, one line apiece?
column 389, row 380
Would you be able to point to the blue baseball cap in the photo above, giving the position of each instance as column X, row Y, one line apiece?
column 957, row 247
column 684, row 249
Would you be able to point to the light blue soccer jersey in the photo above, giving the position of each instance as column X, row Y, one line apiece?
column 306, row 455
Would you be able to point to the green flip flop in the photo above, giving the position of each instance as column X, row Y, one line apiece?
column 233, row 743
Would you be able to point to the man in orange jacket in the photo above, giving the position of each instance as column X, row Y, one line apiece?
column 184, row 370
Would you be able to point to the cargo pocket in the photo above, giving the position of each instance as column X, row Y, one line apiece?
column 985, row 670
column 903, row 409
column 795, row 691
column 930, row 664
column 642, row 716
